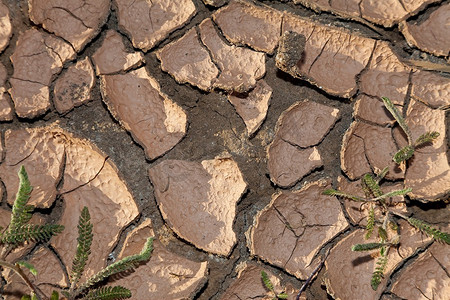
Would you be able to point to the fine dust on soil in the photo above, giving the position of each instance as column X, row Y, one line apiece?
column 214, row 127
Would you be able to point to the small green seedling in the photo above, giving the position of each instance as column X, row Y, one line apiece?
column 19, row 231
column 268, row 284
column 377, row 203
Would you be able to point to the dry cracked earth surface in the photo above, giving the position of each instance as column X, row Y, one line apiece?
column 215, row 126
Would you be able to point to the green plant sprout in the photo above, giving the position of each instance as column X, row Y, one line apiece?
column 268, row 285
column 376, row 200
column 19, row 231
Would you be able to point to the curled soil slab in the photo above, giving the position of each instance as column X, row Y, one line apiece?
column 240, row 20
column 426, row 277
column 112, row 56
column 290, row 231
column 37, row 58
column 73, row 88
column 149, row 22
column 372, row 110
column 198, row 200
column 240, row 68
column 248, row 284
column 430, row 35
column 5, row 27
column 42, row 154
column 366, row 147
column 252, row 106
column 76, row 21
column 6, row 111
column 385, row 76
column 49, row 274
column 165, row 275
column 328, row 48
column 136, row 101
column 386, row 13
column 428, row 173
column 348, row 273
column 188, row 61
column 431, row 89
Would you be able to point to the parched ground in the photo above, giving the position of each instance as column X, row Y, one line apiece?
column 215, row 126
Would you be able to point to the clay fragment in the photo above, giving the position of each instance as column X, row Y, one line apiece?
column 239, row 21
column 107, row 197
column 112, row 56
column 188, row 61
column 136, row 101
column 76, row 21
column 252, row 107
column 385, row 76
column 198, row 200
column 42, row 154
column 432, row 34
column 368, row 146
column 215, row 3
column 149, row 22
column 428, row 173
column 74, row 87
column 426, row 277
column 290, row 51
column 372, row 110
column 5, row 27
column 49, row 274
column 37, row 58
column 288, row 163
column 431, row 89
column 348, row 273
column 329, row 48
column 290, row 231
column 6, row 112
column 165, row 275
column 240, row 68
column 306, row 123
column 248, row 284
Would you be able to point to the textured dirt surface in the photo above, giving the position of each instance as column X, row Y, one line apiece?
column 214, row 126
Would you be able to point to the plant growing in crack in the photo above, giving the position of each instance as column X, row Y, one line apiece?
column 269, row 285
column 19, row 232
column 378, row 204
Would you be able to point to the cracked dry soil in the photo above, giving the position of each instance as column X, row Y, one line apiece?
column 198, row 122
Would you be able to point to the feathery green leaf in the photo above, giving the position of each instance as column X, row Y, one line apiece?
column 54, row 296
column 370, row 222
column 382, row 174
column 367, row 246
column 429, row 230
column 109, row 293
column 427, row 137
column 267, row 283
column 403, row 154
column 282, row 296
column 20, row 211
column 28, row 266
column 31, row 233
column 380, row 267
column 395, row 193
column 125, row 264
column 382, row 234
column 84, row 239
column 333, row 192
column 372, row 184
column 398, row 116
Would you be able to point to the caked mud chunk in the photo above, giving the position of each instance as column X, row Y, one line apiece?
column 385, row 76
column 49, row 274
column 430, row 35
column 215, row 3
column 248, row 284
column 136, row 101
column 426, row 277
column 372, row 110
column 289, row 163
column 198, row 200
column 241, row 21
column 41, row 152
column 37, row 58
column 252, row 107
column 149, row 22
column 291, row 230
column 6, row 111
column 366, row 147
column 431, row 89
column 74, row 87
column 76, row 21
column 5, row 27
column 165, row 275
column 326, row 49
column 112, row 56
column 240, row 68
column 188, row 61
